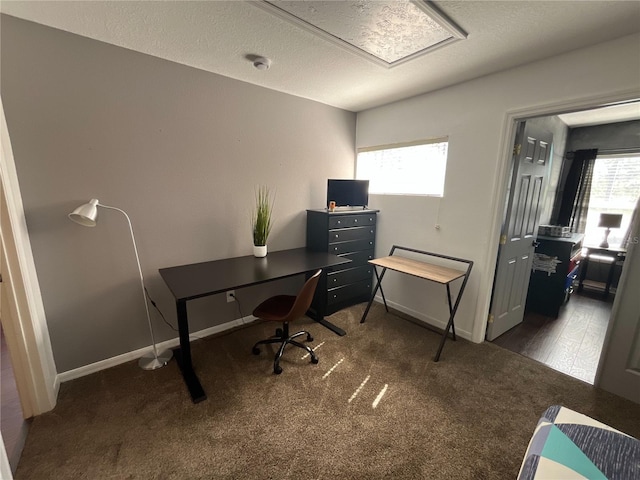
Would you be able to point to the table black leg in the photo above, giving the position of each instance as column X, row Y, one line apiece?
column 453, row 311
column 453, row 325
column 326, row 323
column 384, row 300
column 373, row 295
column 612, row 269
column 183, row 355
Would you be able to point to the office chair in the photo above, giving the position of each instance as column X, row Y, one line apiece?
column 286, row 309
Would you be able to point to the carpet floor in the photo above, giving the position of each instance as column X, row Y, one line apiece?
column 375, row 406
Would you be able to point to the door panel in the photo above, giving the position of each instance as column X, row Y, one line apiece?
column 534, row 207
column 515, row 255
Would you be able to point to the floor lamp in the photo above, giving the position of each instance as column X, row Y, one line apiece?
column 87, row 216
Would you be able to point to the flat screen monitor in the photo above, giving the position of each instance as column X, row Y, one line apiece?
column 348, row 193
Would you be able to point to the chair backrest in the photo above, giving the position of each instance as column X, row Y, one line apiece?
column 304, row 298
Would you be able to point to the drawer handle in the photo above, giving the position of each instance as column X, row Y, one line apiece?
column 335, row 296
column 370, row 243
column 335, row 280
column 338, row 222
column 336, row 235
column 335, row 249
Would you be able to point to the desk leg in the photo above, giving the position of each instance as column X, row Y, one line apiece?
column 326, row 323
column 453, row 312
column 183, row 355
column 453, row 325
column 584, row 265
column 612, row 269
column 373, row 295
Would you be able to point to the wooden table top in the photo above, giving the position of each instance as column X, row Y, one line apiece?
column 428, row 271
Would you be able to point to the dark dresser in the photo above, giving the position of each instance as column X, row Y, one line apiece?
column 549, row 291
column 350, row 234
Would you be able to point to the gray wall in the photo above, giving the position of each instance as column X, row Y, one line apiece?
column 179, row 149
column 611, row 136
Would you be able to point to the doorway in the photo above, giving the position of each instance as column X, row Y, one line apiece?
column 572, row 342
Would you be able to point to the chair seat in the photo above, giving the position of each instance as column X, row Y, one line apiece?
column 275, row 308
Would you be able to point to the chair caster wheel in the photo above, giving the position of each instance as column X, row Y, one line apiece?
column 314, row 359
column 277, row 370
column 309, row 338
column 255, row 351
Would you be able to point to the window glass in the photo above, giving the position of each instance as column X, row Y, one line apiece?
column 404, row 169
column 615, row 188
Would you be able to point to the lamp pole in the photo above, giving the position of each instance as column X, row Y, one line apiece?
column 86, row 215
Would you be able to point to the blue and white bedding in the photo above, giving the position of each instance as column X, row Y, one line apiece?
column 568, row 445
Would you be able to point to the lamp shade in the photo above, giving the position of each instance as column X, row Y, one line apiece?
column 86, row 214
column 610, row 220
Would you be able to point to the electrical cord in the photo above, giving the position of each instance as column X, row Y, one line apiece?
column 239, row 307
column 159, row 311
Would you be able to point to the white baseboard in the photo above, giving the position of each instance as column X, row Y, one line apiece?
column 434, row 322
column 174, row 342
column 133, row 355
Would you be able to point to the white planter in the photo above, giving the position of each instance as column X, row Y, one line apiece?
column 259, row 251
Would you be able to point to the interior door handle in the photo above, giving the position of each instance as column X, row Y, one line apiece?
column 535, row 244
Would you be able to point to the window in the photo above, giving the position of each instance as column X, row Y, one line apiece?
column 405, row 169
column 615, row 188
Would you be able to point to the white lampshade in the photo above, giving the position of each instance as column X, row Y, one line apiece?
column 86, row 214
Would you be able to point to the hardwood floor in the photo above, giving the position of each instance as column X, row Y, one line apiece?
column 14, row 428
column 570, row 343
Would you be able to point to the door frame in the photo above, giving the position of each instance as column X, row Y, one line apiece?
column 507, row 138
column 25, row 324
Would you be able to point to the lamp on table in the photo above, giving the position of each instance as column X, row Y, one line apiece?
column 87, row 216
column 609, row 221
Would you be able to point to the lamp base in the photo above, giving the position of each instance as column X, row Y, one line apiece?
column 605, row 241
column 150, row 362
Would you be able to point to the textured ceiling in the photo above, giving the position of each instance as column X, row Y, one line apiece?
column 224, row 36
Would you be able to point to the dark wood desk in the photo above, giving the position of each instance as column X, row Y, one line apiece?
column 427, row 271
column 188, row 282
column 614, row 254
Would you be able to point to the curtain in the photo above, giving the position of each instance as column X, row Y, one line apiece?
column 576, row 193
column 581, row 204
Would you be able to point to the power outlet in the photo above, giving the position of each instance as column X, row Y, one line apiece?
column 231, row 296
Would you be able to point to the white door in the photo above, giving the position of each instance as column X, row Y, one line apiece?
column 619, row 368
column 519, row 229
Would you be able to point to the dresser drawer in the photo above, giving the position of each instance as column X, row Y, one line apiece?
column 340, row 294
column 350, row 275
column 342, row 221
column 358, row 258
column 352, row 233
column 350, row 247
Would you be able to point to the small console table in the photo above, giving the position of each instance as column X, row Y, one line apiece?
column 427, row 271
column 614, row 256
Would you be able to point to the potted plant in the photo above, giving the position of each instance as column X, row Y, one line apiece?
column 261, row 220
